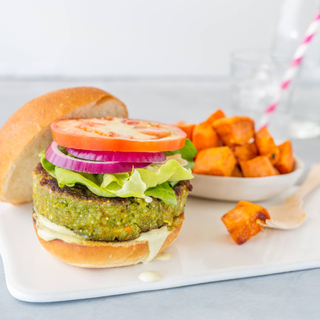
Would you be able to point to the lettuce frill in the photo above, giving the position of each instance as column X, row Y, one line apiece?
column 155, row 180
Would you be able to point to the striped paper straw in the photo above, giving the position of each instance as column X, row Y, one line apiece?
column 292, row 70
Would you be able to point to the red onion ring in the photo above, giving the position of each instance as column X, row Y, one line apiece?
column 59, row 159
column 117, row 156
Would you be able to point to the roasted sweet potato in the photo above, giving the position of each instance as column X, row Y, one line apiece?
column 186, row 127
column 204, row 136
column 245, row 152
column 237, row 172
column 286, row 159
column 215, row 161
column 234, row 131
column 266, row 145
column 241, row 221
column 218, row 114
column 258, row 167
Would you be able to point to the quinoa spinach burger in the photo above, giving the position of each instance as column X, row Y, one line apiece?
column 108, row 191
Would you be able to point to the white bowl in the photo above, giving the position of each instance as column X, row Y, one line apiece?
column 248, row 189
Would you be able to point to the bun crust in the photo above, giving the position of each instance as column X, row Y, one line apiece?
column 27, row 132
column 97, row 254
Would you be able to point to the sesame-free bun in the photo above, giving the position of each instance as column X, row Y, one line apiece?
column 27, row 132
column 97, row 254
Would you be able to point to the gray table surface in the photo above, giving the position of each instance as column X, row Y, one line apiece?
column 293, row 295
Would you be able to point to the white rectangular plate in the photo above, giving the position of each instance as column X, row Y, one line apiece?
column 203, row 252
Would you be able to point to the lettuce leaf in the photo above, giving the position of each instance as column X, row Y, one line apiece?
column 171, row 170
column 49, row 167
column 134, row 187
column 155, row 180
column 188, row 152
column 163, row 191
column 69, row 178
column 115, row 180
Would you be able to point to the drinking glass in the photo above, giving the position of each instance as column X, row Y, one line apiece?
column 255, row 82
column 294, row 19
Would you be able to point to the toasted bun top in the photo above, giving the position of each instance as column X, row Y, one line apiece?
column 27, row 132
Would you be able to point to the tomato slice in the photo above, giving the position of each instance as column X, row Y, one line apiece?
column 117, row 134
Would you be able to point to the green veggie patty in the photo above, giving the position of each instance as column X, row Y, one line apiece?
column 100, row 218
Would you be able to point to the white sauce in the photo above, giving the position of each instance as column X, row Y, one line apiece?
column 49, row 231
column 155, row 238
column 163, row 256
column 178, row 158
column 150, row 276
column 148, row 199
column 99, row 127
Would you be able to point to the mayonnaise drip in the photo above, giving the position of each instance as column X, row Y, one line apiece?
column 49, row 231
column 156, row 239
column 150, row 276
column 163, row 256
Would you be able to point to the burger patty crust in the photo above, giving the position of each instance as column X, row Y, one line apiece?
column 100, row 218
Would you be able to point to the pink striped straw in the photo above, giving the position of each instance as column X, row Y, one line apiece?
column 292, row 70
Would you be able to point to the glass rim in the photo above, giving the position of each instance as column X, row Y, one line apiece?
column 258, row 55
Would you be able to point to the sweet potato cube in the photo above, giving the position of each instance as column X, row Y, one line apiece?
column 266, row 145
column 245, row 152
column 258, row 167
column 218, row 114
column 186, row 127
column 241, row 221
column 237, row 172
column 204, row 136
column 286, row 160
column 215, row 161
column 234, row 131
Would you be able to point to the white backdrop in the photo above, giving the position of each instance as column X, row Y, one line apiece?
column 129, row 37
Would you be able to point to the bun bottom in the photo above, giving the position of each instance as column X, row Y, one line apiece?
column 96, row 254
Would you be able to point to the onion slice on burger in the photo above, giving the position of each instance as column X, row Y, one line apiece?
column 118, row 156
column 59, row 159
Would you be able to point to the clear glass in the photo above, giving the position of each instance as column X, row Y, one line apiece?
column 295, row 17
column 255, row 82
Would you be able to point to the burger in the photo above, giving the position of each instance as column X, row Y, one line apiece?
column 108, row 191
